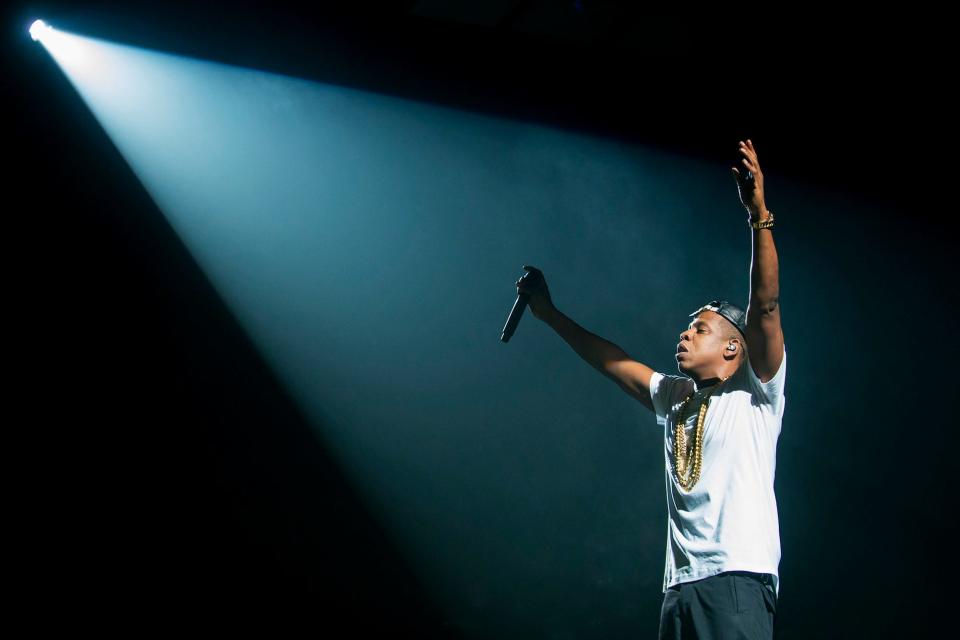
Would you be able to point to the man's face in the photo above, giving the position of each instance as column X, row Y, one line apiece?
column 702, row 343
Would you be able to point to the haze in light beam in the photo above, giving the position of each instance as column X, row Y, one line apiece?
column 369, row 247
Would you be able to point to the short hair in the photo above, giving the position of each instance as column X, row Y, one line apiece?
column 730, row 331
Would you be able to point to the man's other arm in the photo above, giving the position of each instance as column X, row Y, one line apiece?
column 764, row 333
column 604, row 356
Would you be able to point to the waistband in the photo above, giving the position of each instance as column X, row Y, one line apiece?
column 765, row 578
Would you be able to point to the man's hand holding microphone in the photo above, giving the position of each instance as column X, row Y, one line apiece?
column 534, row 285
column 531, row 290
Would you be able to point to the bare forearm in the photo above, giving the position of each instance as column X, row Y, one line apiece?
column 597, row 351
column 764, row 269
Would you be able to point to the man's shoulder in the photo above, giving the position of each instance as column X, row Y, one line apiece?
column 770, row 392
column 670, row 384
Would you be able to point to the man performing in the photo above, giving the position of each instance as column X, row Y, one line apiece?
column 721, row 421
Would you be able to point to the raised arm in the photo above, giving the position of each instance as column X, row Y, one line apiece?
column 604, row 356
column 764, row 333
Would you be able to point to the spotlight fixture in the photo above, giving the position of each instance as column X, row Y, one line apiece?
column 38, row 29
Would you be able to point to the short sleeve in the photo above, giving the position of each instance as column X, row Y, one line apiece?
column 664, row 393
column 770, row 392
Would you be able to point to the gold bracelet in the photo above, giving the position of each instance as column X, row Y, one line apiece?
column 766, row 224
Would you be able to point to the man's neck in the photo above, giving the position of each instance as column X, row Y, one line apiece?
column 700, row 385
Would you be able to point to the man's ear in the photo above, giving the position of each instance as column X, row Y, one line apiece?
column 733, row 346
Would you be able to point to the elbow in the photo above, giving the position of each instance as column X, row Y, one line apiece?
column 765, row 302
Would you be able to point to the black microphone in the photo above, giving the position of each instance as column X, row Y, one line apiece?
column 514, row 319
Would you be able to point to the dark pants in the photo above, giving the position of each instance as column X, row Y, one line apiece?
column 732, row 604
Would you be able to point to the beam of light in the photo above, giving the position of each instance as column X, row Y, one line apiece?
column 71, row 52
column 369, row 245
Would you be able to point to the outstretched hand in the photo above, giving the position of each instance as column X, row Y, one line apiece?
column 750, row 182
column 534, row 284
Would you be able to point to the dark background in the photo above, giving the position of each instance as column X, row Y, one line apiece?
column 144, row 486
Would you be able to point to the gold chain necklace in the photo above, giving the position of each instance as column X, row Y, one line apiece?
column 682, row 462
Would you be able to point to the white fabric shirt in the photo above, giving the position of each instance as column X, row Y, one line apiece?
column 729, row 520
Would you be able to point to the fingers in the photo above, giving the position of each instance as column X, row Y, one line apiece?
column 524, row 282
column 747, row 150
column 532, row 273
column 523, row 286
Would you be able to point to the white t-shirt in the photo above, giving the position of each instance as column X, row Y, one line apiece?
column 728, row 522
